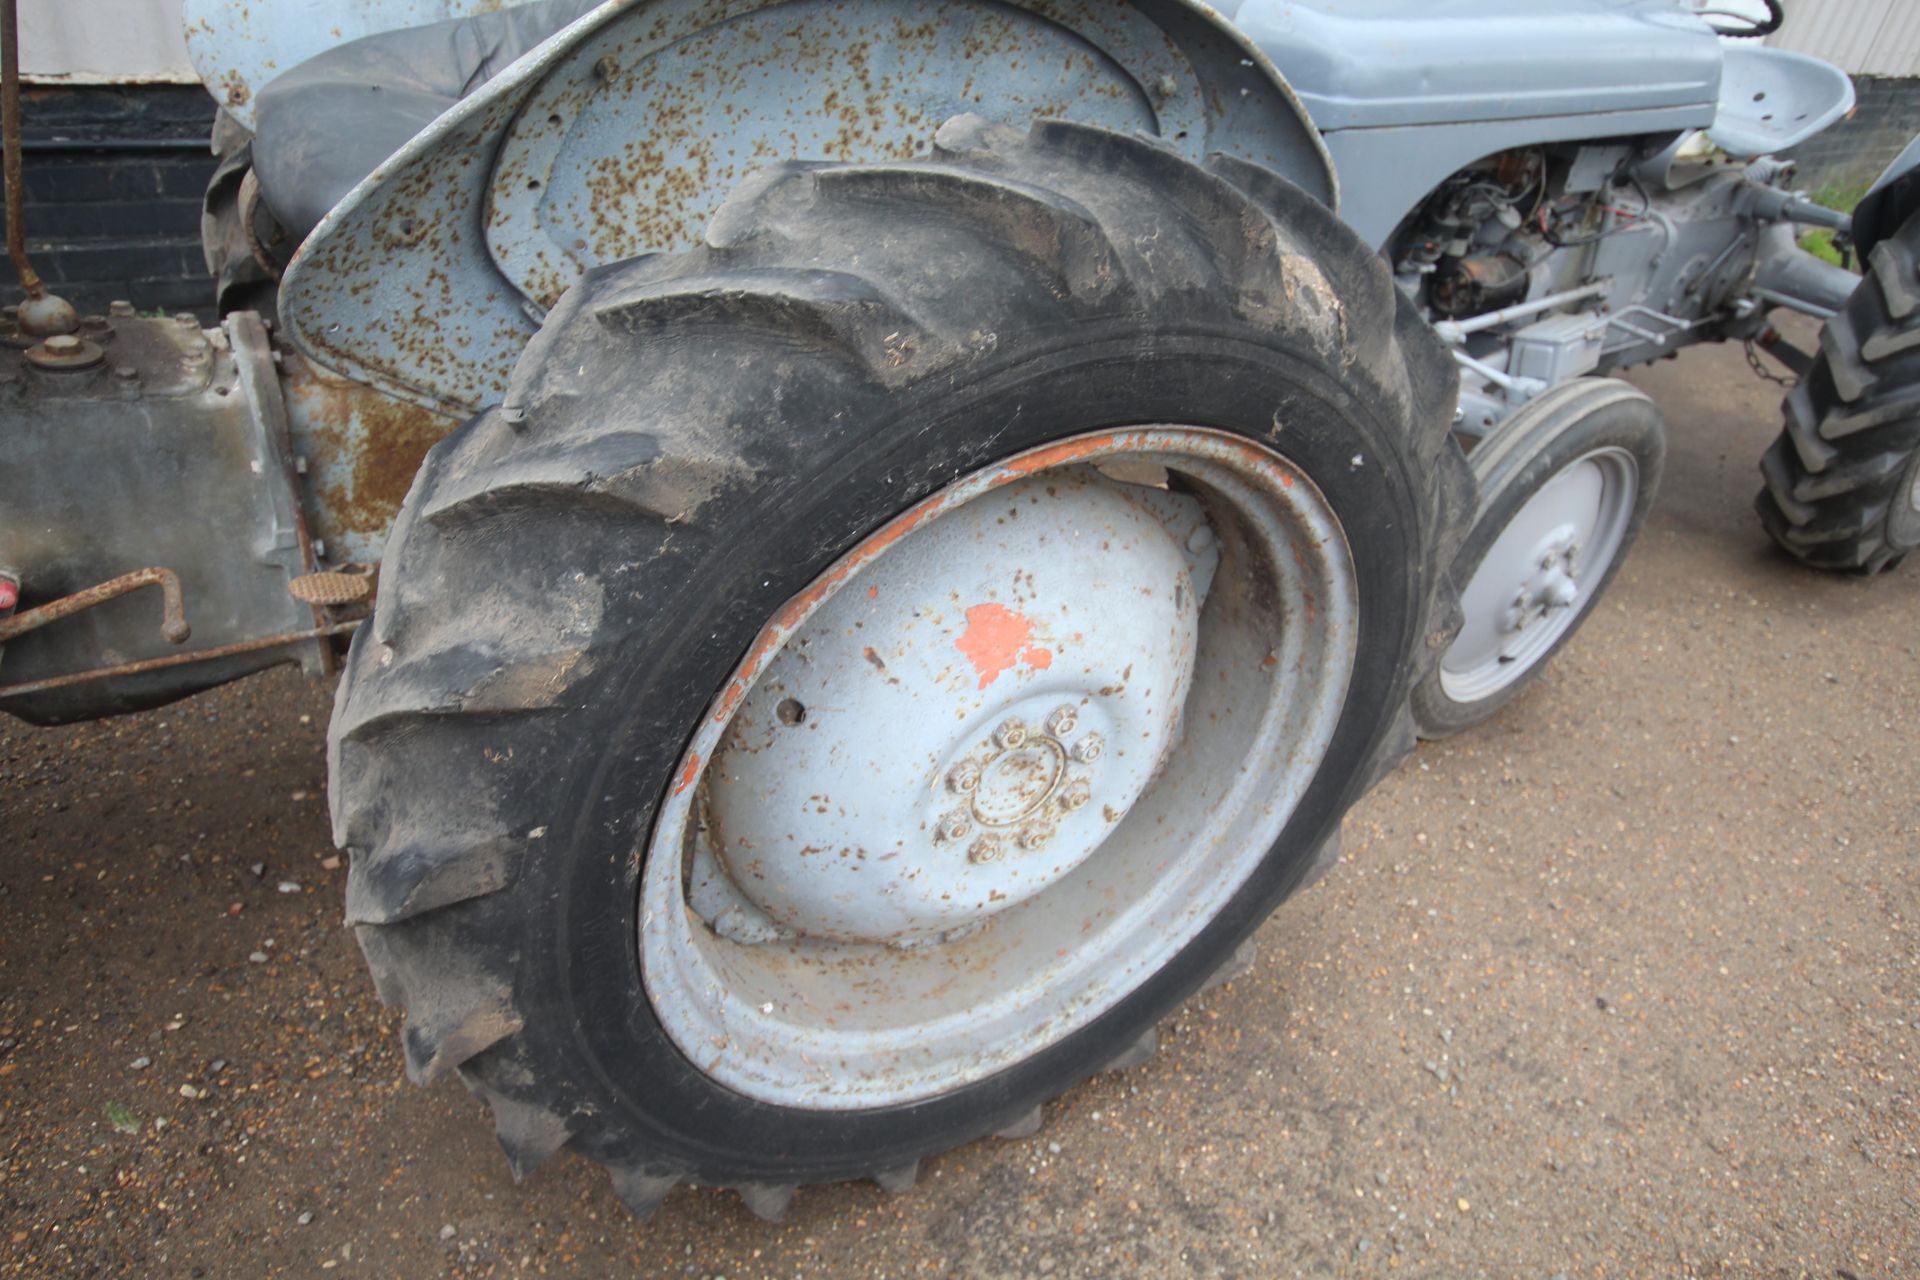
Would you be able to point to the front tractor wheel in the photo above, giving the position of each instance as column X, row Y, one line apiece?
column 1566, row 484
column 876, row 665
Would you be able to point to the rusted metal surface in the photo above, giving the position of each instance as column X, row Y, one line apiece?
column 240, row 648
column 239, row 45
column 360, row 449
column 1033, row 739
column 10, row 125
column 332, row 590
column 173, row 607
column 65, row 351
column 159, row 454
column 257, row 366
column 622, row 134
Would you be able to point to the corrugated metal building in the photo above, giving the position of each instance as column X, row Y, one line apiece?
column 1863, row 37
column 1878, row 43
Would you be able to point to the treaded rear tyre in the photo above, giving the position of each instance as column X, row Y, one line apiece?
column 1843, row 480
column 693, row 439
column 243, row 247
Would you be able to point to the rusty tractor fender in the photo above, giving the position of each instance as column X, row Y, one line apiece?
column 622, row 134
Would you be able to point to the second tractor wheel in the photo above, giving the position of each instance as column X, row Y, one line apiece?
column 873, row 667
column 1843, row 480
column 1565, row 484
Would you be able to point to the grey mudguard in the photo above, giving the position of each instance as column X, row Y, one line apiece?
column 1407, row 93
column 621, row 134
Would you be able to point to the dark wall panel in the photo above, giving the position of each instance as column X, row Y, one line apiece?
column 113, row 178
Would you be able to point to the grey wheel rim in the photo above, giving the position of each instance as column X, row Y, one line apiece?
column 1541, row 574
column 997, row 767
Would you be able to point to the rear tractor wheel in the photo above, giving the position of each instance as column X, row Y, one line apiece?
column 1843, row 480
column 876, row 665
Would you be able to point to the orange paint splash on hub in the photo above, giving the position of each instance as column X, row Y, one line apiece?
column 996, row 639
column 688, row 774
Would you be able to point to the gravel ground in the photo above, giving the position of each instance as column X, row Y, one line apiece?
column 1623, row 984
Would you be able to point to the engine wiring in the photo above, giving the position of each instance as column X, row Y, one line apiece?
column 1548, row 217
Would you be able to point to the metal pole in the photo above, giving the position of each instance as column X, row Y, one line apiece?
column 10, row 127
column 172, row 660
column 1455, row 331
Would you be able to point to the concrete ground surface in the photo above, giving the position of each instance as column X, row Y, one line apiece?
column 1625, row 983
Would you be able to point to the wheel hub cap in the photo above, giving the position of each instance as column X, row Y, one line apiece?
column 1551, row 586
column 934, row 749
column 1537, row 577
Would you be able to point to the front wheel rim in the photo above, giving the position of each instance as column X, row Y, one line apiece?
column 1077, row 833
column 1541, row 574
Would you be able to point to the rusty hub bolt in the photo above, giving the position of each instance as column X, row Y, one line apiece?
column 955, row 826
column 65, row 351
column 986, row 849
column 1035, row 835
column 963, row 778
column 1088, row 749
column 1060, row 724
column 1010, row 734
column 1075, row 796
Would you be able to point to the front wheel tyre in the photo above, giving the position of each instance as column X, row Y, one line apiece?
column 1565, row 485
column 875, row 666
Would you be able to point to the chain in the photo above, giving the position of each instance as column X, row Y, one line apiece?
column 1762, row 372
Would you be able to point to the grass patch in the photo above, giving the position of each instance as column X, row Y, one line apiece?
column 1819, row 243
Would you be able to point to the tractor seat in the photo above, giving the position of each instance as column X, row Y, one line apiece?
column 329, row 122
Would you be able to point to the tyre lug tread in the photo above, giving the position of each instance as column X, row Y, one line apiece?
column 767, row 1201
column 642, row 1188
column 1024, row 1125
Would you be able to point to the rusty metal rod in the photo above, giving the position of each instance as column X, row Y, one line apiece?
column 180, row 659
column 173, row 606
column 10, row 128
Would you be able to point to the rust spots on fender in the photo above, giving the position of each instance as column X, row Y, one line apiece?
column 997, row 639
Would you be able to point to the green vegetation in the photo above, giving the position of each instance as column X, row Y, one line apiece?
column 1820, row 243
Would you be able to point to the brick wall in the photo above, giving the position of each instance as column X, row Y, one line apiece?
column 1853, row 152
column 113, row 177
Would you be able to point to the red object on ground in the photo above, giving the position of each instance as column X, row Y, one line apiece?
column 9, row 593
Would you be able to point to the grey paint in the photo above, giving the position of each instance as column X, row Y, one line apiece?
column 1771, row 100
column 1393, row 63
column 1386, row 173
